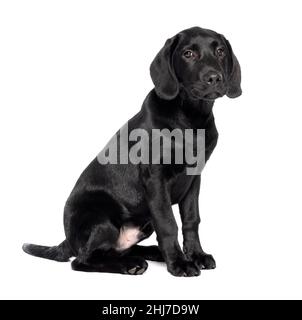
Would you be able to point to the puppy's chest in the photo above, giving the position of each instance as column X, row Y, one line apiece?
column 202, row 127
column 197, row 144
column 178, row 178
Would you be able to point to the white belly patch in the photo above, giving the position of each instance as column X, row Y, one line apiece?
column 128, row 237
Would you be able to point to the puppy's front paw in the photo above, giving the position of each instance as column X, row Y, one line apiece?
column 204, row 261
column 183, row 268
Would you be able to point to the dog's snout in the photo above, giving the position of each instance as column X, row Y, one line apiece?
column 212, row 78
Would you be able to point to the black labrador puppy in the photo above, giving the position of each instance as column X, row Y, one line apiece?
column 114, row 206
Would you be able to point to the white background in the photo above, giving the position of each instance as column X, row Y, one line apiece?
column 72, row 72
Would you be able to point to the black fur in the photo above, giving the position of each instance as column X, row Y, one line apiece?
column 108, row 197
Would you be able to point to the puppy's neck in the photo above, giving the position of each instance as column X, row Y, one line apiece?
column 195, row 107
column 201, row 107
column 191, row 113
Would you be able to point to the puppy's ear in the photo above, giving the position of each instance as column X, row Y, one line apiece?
column 162, row 71
column 234, row 79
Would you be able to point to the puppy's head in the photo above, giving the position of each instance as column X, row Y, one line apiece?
column 199, row 61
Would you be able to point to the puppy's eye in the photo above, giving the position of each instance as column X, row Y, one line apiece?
column 188, row 54
column 220, row 52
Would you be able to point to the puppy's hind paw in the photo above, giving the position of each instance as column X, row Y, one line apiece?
column 136, row 266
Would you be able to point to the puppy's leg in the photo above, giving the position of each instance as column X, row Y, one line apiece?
column 164, row 223
column 189, row 211
column 124, row 264
column 151, row 253
column 99, row 254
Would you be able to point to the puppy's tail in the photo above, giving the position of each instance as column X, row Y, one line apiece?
column 61, row 253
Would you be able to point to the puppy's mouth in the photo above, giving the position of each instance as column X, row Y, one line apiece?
column 200, row 95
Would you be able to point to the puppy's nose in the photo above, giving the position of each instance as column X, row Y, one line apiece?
column 212, row 78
